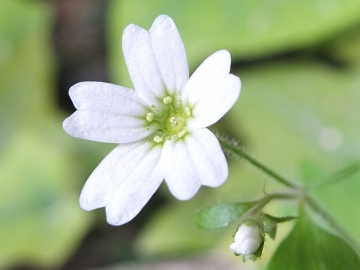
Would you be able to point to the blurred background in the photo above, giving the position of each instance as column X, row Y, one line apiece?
column 299, row 111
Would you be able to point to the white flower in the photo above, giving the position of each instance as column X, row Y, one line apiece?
column 160, row 126
column 247, row 239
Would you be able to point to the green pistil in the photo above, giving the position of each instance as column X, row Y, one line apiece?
column 175, row 123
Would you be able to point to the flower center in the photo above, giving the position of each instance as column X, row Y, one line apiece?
column 171, row 121
column 175, row 123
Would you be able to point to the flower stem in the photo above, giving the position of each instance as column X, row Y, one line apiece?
column 268, row 198
column 241, row 153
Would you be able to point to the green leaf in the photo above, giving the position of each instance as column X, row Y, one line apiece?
column 345, row 48
column 221, row 215
column 310, row 247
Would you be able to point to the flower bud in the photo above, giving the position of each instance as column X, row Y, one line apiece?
column 247, row 239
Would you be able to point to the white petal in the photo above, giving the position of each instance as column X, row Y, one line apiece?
column 169, row 53
column 107, row 113
column 108, row 128
column 197, row 159
column 180, row 173
column 211, row 91
column 143, row 69
column 143, row 178
column 126, row 161
column 107, row 97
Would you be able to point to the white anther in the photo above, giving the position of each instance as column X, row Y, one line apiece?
column 158, row 139
column 150, row 116
column 187, row 111
column 167, row 100
column 181, row 133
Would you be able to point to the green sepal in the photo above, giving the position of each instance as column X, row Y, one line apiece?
column 221, row 215
column 269, row 226
column 256, row 255
column 270, row 223
column 280, row 219
column 259, row 251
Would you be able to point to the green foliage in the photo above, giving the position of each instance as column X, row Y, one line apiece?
column 248, row 29
column 41, row 221
column 297, row 115
column 221, row 215
column 310, row 108
column 22, row 43
column 310, row 247
column 176, row 220
column 165, row 235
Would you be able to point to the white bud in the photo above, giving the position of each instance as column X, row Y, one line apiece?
column 247, row 239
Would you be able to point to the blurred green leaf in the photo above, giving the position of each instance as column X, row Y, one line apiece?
column 25, row 65
column 310, row 247
column 41, row 221
column 248, row 29
column 311, row 173
column 221, row 215
column 19, row 19
column 174, row 233
column 345, row 48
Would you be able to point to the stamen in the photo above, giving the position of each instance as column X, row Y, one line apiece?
column 158, row 139
column 187, row 111
column 181, row 133
column 167, row 100
column 150, row 117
